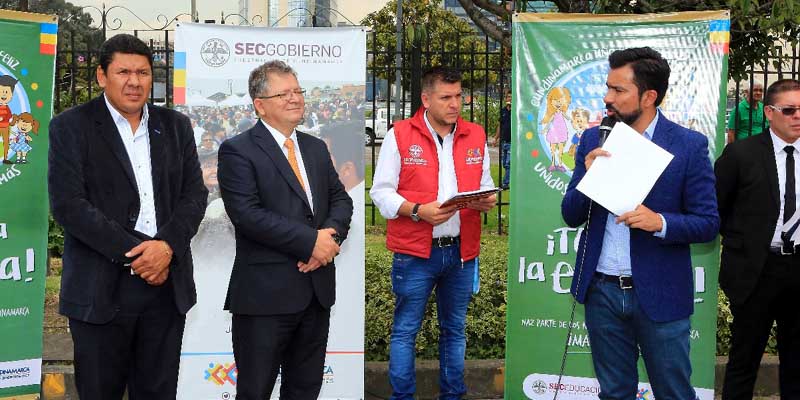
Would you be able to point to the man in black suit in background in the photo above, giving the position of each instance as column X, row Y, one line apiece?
column 757, row 185
column 126, row 185
column 291, row 213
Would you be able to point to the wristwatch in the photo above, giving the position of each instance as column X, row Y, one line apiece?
column 414, row 213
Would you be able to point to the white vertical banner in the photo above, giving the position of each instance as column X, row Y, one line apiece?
column 212, row 64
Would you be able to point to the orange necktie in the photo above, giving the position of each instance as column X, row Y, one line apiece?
column 289, row 144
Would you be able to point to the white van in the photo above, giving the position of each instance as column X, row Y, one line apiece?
column 376, row 130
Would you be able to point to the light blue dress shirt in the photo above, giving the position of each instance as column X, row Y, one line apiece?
column 615, row 257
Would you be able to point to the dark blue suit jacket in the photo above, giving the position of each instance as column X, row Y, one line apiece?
column 93, row 195
column 275, row 225
column 684, row 194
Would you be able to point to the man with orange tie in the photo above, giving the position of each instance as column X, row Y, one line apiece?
column 291, row 213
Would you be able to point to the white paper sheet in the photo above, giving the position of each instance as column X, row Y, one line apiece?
column 621, row 182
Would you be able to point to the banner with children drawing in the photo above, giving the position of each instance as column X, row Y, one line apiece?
column 27, row 65
column 560, row 64
column 212, row 66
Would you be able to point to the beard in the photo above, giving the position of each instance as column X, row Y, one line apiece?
column 628, row 118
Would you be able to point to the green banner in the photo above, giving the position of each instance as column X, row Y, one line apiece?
column 564, row 58
column 27, row 64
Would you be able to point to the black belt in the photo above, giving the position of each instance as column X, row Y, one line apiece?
column 624, row 282
column 784, row 251
column 445, row 241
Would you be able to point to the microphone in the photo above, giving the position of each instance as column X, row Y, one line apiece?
column 605, row 128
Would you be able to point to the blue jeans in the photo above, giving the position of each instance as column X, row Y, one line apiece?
column 619, row 329
column 413, row 279
column 505, row 159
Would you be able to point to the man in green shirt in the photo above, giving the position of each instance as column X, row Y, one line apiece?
column 747, row 119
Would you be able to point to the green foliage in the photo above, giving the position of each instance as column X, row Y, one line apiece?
column 486, row 316
column 443, row 38
column 73, row 22
column 484, row 111
column 724, row 320
column 55, row 238
column 76, row 37
column 756, row 26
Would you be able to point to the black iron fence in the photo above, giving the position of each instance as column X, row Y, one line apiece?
column 746, row 116
column 484, row 63
column 486, row 67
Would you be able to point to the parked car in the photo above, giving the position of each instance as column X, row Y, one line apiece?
column 376, row 129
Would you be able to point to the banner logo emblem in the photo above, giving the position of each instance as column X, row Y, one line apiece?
column 215, row 52
column 219, row 374
column 539, row 387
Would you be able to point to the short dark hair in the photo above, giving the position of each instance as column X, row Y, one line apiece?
column 213, row 128
column 125, row 44
column 346, row 140
column 439, row 73
column 650, row 70
column 203, row 156
column 8, row 80
column 778, row 87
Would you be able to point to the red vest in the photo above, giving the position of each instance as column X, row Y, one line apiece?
column 419, row 183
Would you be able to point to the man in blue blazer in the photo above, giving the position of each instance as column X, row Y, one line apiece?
column 633, row 271
column 291, row 213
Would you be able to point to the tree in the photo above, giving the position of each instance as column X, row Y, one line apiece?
column 76, row 41
column 756, row 26
column 437, row 35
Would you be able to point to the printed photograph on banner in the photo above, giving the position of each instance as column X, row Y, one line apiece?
column 574, row 103
column 219, row 107
column 225, row 105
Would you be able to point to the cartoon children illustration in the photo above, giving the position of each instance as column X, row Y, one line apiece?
column 21, row 143
column 555, row 122
column 580, row 121
column 7, row 83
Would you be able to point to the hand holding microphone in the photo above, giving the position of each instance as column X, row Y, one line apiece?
column 605, row 129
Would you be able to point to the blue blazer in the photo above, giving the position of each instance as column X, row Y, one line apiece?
column 684, row 194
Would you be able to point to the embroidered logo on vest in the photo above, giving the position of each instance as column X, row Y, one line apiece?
column 474, row 156
column 415, row 156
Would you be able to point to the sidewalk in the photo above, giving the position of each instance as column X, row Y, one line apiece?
column 485, row 378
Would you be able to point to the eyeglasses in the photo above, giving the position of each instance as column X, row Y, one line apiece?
column 787, row 110
column 285, row 96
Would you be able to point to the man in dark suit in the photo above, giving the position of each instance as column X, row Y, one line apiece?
column 757, row 190
column 633, row 271
column 126, row 186
column 291, row 213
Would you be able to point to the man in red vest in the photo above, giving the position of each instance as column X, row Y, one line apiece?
column 424, row 161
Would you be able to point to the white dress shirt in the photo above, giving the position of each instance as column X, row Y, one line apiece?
column 780, row 160
column 280, row 139
column 198, row 134
column 387, row 175
column 137, row 145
